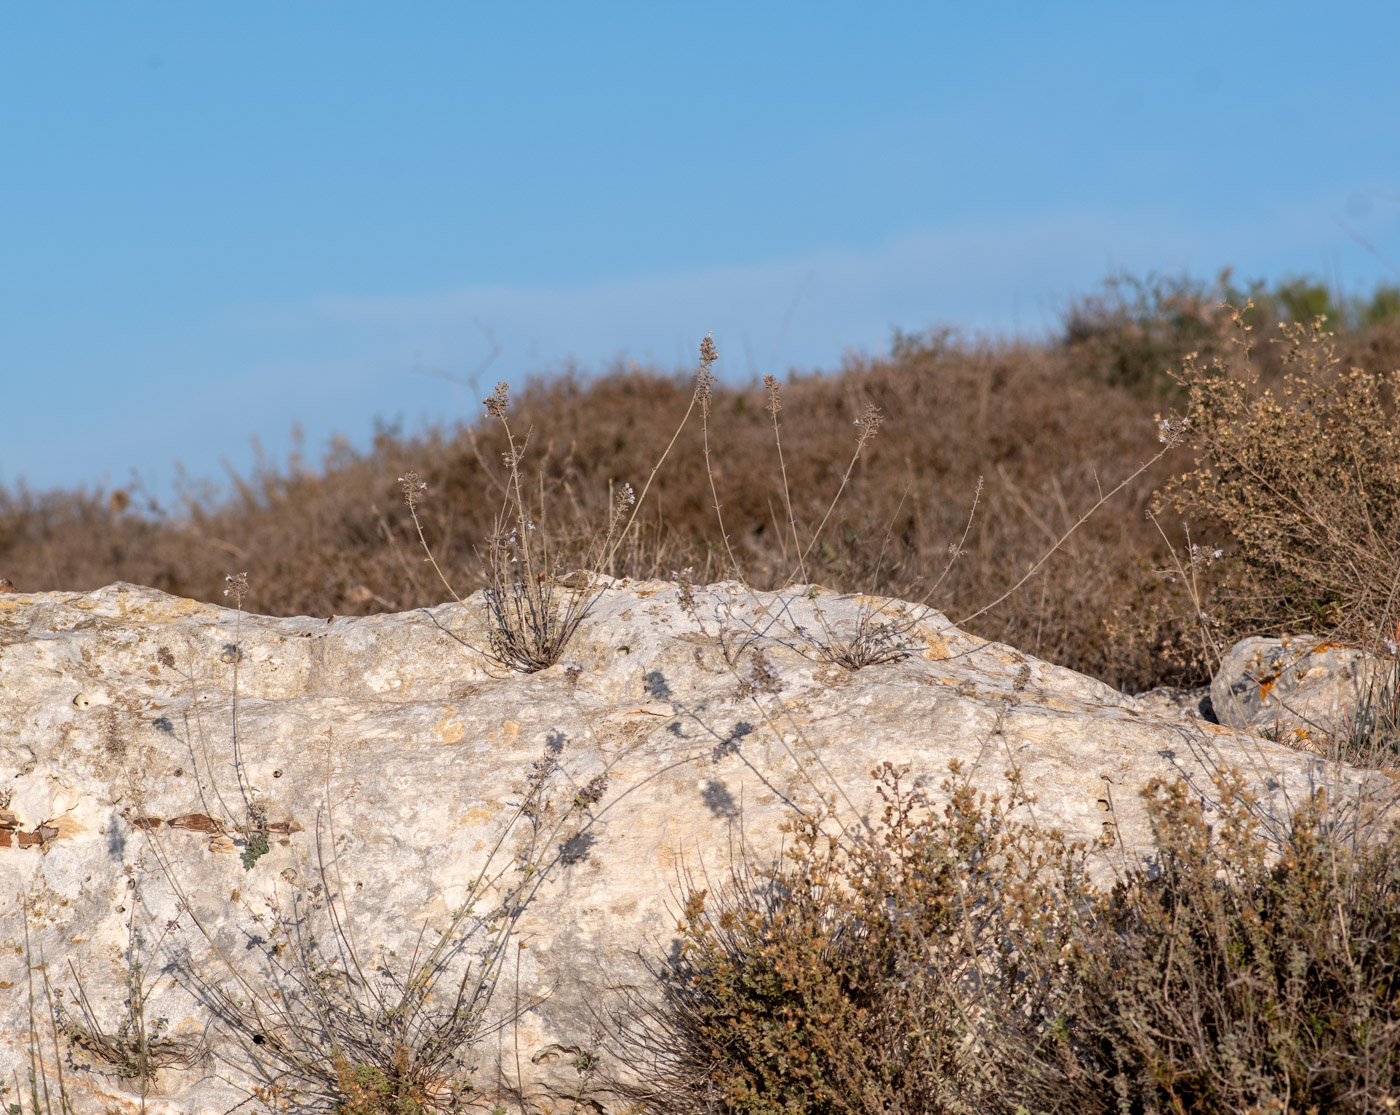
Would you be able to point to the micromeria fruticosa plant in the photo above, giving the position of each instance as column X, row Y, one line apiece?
column 961, row 959
column 330, row 1020
column 533, row 608
column 1303, row 478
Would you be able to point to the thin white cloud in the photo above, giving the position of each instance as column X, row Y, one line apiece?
column 335, row 362
column 804, row 311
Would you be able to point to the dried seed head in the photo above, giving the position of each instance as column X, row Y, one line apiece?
column 869, row 422
column 592, row 793
column 704, row 376
column 237, row 588
column 685, row 583
column 1171, row 431
column 624, row 499
column 500, row 398
column 413, row 486
column 763, row 678
column 775, row 404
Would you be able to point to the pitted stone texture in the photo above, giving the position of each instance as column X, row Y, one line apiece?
column 125, row 780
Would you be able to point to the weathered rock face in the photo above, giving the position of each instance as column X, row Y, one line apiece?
column 1301, row 688
column 385, row 763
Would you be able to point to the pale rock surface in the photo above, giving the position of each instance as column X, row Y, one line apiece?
column 115, row 721
column 1300, row 688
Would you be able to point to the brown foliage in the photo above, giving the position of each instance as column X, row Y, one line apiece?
column 1047, row 438
column 959, row 959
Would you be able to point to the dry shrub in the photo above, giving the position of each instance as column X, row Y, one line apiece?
column 1245, row 975
column 340, row 541
column 1304, row 477
column 1047, row 435
column 960, row 961
column 879, row 972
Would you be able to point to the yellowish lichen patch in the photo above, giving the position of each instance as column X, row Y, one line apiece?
column 476, row 815
column 449, row 730
column 506, row 734
column 938, row 648
column 883, row 603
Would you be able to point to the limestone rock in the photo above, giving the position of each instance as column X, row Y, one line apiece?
column 1170, row 700
column 1302, row 689
column 379, row 766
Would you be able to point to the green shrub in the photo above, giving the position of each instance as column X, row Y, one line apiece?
column 1384, row 306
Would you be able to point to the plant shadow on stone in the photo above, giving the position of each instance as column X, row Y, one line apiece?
column 329, row 1021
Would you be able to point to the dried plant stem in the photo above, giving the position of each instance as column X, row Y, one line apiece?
column 641, row 498
column 868, row 422
column 774, row 405
column 413, row 511
column 1084, row 518
column 714, row 495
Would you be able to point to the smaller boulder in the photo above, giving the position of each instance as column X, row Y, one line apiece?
column 1302, row 690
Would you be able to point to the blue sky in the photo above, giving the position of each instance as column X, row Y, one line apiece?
column 218, row 220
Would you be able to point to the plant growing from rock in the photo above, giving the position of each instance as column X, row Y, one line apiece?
column 139, row 1047
column 44, row 1098
column 960, row 959
column 532, row 607
column 329, row 1020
